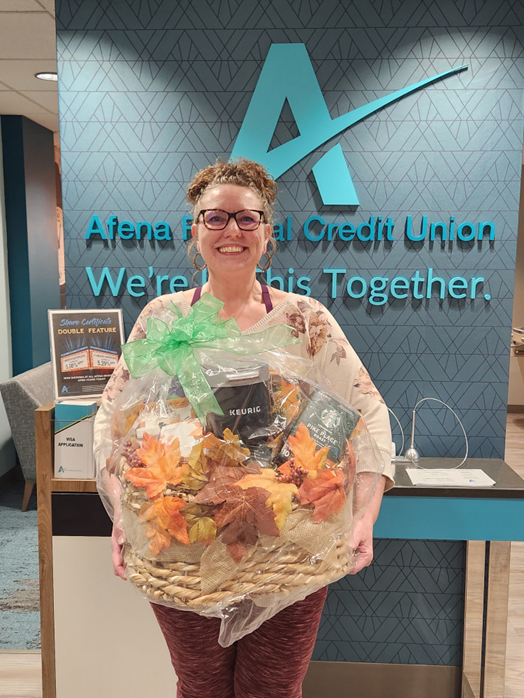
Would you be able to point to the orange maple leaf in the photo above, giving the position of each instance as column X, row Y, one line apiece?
column 151, row 450
column 288, row 398
column 159, row 538
column 326, row 493
column 165, row 521
column 173, row 520
column 285, row 468
column 304, row 451
column 162, row 466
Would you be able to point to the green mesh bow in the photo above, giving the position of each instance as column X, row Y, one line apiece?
column 172, row 349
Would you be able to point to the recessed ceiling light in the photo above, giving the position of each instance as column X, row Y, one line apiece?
column 47, row 76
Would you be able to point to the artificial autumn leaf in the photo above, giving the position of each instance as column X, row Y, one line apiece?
column 304, row 447
column 285, row 468
column 326, row 493
column 170, row 461
column 197, row 431
column 281, row 493
column 245, row 513
column 162, row 466
column 237, row 550
column 175, row 522
column 204, row 531
column 123, row 419
column 215, row 471
column 165, row 520
column 288, row 397
column 221, row 479
column 178, row 402
column 153, row 479
column 151, row 450
column 195, row 477
column 226, row 451
column 237, row 537
column 201, row 528
column 159, row 538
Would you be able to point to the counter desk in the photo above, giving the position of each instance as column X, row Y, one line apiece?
column 100, row 638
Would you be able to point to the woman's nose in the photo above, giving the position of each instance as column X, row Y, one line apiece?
column 232, row 228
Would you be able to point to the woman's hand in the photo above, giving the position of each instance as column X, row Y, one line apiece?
column 361, row 540
column 117, row 541
column 361, row 544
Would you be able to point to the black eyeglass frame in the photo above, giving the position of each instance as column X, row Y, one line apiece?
column 230, row 216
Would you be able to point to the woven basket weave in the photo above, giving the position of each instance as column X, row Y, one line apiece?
column 282, row 571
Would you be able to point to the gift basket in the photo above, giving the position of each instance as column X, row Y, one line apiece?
column 233, row 470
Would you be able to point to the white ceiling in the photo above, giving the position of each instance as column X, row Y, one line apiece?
column 28, row 46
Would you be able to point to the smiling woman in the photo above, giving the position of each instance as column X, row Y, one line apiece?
column 232, row 212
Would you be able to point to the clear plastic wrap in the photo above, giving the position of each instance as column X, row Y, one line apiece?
column 249, row 508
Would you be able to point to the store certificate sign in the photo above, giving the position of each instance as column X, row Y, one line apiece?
column 85, row 348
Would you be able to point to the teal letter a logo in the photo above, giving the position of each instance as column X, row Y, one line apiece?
column 288, row 74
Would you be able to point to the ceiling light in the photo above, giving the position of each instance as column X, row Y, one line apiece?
column 47, row 76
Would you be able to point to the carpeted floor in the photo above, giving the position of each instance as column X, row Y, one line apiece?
column 19, row 595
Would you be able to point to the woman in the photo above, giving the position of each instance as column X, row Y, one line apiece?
column 233, row 215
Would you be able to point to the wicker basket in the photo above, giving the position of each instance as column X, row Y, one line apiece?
column 280, row 569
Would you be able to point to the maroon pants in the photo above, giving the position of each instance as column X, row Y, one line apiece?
column 271, row 662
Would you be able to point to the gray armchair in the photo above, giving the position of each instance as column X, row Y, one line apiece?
column 22, row 395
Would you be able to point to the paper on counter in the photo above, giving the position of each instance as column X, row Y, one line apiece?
column 443, row 477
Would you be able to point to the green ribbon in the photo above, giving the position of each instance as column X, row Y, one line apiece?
column 172, row 349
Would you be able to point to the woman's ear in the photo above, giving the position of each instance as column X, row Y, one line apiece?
column 194, row 233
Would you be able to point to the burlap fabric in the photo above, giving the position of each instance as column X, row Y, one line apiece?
column 306, row 554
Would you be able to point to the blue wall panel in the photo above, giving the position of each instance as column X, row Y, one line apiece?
column 407, row 608
column 152, row 91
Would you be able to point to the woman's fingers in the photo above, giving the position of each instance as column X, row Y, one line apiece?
column 361, row 545
column 362, row 559
column 116, row 554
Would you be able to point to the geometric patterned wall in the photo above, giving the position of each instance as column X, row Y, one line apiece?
column 407, row 608
column 152, row 90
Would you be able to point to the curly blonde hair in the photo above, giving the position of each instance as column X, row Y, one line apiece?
column 243, row 173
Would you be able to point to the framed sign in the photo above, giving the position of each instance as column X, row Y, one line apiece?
column 85, row 348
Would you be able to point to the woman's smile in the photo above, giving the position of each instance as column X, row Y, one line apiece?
column 229, row 249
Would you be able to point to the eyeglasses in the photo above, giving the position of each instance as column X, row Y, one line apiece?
column 216, row 219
